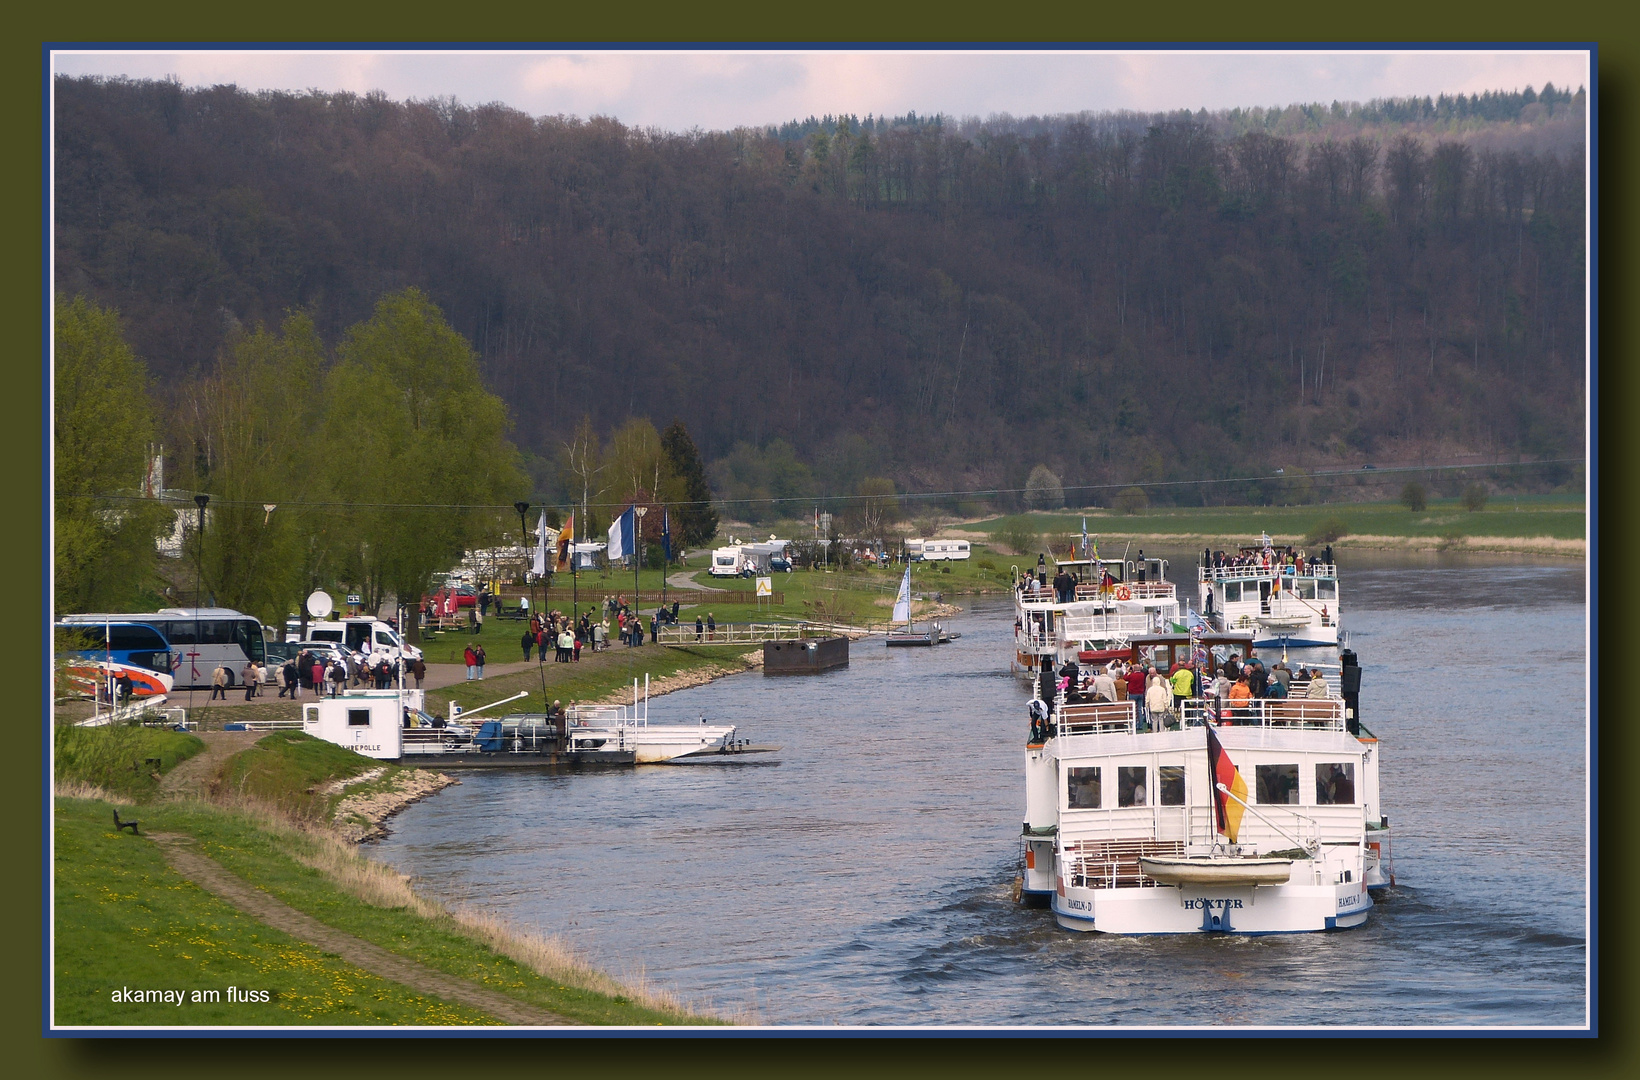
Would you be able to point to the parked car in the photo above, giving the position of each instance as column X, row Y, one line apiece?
column 332, row 652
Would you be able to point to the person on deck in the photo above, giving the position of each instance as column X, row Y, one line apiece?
column 1318, row 687
column 1184, row 680
column 1104, row 687
column 1241, row 696
column 1158, row 700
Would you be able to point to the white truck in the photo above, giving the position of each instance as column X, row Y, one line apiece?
column 372, row 637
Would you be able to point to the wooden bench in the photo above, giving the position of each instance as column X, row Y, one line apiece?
column 1098, row 856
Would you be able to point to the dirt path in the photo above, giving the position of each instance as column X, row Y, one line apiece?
column 211, row 876
column 192, row 777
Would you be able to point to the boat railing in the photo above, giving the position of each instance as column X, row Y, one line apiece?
column 1036, row 639
column 1127, row 590
column 1259, row 570
column 1082, row 627
column 1098, row 718
column 1306, row 714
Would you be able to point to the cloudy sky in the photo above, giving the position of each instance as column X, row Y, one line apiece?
column 682, row 90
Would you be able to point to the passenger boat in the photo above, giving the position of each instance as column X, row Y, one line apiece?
column 1111, row 601
column 1265, row 818
column 1284, row 603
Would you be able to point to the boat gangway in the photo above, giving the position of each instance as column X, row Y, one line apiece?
column 731, row 634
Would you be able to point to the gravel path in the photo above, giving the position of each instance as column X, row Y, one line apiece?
column 211, row 876
column 193, row 777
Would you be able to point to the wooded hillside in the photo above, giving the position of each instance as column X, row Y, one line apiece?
column 943, row 304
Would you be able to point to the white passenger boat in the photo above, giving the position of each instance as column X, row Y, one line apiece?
column 1260, row 819
column 1110, row 601
column 1286, row 600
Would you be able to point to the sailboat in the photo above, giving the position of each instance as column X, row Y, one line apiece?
column 909, row 635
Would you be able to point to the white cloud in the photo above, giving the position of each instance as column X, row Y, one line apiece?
column 681, row 90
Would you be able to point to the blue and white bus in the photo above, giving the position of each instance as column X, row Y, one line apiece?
column 200, row 639
column 120, row 642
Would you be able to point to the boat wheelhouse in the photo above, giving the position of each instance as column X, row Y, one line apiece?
column 1108, row 602
column 1264, row 817
column 1284, row 598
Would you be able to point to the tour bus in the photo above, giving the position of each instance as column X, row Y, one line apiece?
column 201, row 639
column 136, row 643
column 364, row 635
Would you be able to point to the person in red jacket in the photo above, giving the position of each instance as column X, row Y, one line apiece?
column 472, row 662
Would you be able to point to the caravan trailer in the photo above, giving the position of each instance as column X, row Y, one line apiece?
column 944, row 550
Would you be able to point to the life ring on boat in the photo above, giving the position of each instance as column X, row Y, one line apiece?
column 1124, row 593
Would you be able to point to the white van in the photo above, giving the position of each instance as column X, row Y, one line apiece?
column 369, row 636
column 728, row 562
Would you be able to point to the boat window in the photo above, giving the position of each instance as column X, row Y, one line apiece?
column 1232, row 592
column 1305, row 588
column 1170, row 785
column 1277, row 784
column 1326, row 589
column 358, row 718
column 1130, row 786
column 1335, row 783
column 1084, row 788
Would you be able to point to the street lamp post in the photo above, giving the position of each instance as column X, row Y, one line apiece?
column 199, row 550
column 637, row 563
column 524, row 546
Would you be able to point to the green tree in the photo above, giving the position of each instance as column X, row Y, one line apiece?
column 428, row 470
column 1043, row 490
column 878, row 506
column 686, row 490
column 1414, row 498
column 251, row 447
column 102, row 418
column 636, row 463
column 1132, row 500
column 1018, row 534
column 1475, row 497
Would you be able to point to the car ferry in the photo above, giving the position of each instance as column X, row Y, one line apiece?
column 1109, row 602
column 1262, row 818
column 1283, row 597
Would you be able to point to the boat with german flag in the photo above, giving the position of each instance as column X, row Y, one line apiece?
column 1260, row 818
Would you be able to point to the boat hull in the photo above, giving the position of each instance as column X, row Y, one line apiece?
column 1197, row 909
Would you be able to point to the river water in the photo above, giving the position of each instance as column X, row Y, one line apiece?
column 865, row 878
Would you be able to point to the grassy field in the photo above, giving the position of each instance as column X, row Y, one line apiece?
column 1554, row 516
column 124, row 918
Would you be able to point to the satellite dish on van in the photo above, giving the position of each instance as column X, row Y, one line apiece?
column 319, row 604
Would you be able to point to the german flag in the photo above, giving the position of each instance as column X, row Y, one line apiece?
column 1221, row 770
column 566, row 538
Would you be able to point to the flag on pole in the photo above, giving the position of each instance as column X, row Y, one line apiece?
column 539, row 567
column 566, row 543
column 621, row 541
column 1221, row 771
column 902, row 602
column 1084, row 536
column 666, row 534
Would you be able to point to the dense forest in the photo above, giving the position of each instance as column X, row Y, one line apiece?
column 948, row 304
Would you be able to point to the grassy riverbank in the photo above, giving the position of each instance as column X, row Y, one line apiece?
column 1536, row 524
column 126, row 917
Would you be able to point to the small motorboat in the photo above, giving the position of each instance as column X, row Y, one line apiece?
column 1215, row 870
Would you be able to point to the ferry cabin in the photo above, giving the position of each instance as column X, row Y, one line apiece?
column 1112, row 600
column 1278, row 603
column 1103, row 794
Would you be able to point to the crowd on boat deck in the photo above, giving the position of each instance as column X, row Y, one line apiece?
column 1289, row 559
column 1158, row 699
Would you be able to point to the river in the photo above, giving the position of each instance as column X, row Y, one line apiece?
column 865, row 878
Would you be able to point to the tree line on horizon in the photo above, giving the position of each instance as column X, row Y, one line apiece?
column 936, row 309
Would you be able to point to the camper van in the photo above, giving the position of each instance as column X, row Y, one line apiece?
column 372, row 636
column 728, row 562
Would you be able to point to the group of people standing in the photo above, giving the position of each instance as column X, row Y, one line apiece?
column 1159, row 699
column 557, row 631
